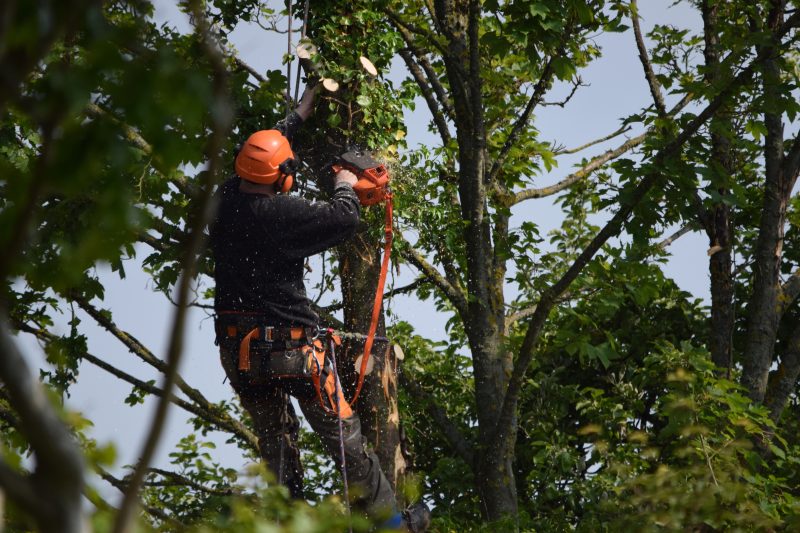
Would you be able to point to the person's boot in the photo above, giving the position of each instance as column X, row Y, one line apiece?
column 417, row 518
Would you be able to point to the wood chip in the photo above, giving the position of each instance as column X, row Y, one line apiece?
column 714, row 249
column 306, row 49
column 368, row 66
column 331, row 85
column 370, row 364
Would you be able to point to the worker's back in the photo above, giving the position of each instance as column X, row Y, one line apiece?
column 260, row 242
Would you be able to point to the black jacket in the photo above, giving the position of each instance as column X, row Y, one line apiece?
column 260, row 243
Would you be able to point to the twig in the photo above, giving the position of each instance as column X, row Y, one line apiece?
column 708, row 460
column 582, row 147
column 575, row 85
column 652, row 81
column 583, row 172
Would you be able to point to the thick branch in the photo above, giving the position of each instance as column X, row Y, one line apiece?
column 247, row 68
column 427, row 93
column 675, row 236
column 790, row 291
column 791, row 163
column 430, row 37
column 455, row 295
column 783, row 381
column 19, row 488
column 58, row 479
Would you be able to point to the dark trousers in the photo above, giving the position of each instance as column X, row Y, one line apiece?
column 268, row 403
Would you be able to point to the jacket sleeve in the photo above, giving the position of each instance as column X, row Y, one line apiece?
column 310, row 228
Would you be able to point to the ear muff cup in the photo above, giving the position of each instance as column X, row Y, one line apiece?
column 286, row 183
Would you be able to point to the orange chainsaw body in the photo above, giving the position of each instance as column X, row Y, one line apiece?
column 373, row 178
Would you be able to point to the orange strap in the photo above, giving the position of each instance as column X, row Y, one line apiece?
column 244, row 350
column 376, row 306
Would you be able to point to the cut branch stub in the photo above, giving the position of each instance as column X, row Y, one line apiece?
column 368, row 66
column 370, row 364
column 330, row 84
column 306, row 49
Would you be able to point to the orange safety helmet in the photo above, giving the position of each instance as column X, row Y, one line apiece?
column 267, row 158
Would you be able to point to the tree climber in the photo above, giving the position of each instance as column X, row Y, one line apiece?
column 268, row 334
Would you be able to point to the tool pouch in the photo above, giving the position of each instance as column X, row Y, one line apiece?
column 373, row 178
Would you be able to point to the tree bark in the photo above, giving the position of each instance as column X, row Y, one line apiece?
column 52, row 494
column 359, row 267
column 764, row 305
column 718, row 219
column 484, row 323
column 783, row 381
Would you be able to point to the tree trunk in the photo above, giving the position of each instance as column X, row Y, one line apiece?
column 784, row 380
column 359, row 264
column 718, row 219
column 764, row 306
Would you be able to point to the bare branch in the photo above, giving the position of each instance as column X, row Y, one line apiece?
column 576, row 83
column 247, row 68
column 688, row 228
column 652, row 81
column 427, row 93
column 582, row 147
column 587, row 169
column 414, row 285
column 151, row 241
column 593, row 165
column 455, row 295
column 516, row 317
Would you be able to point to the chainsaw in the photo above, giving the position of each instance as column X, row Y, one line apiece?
column 373, row 178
